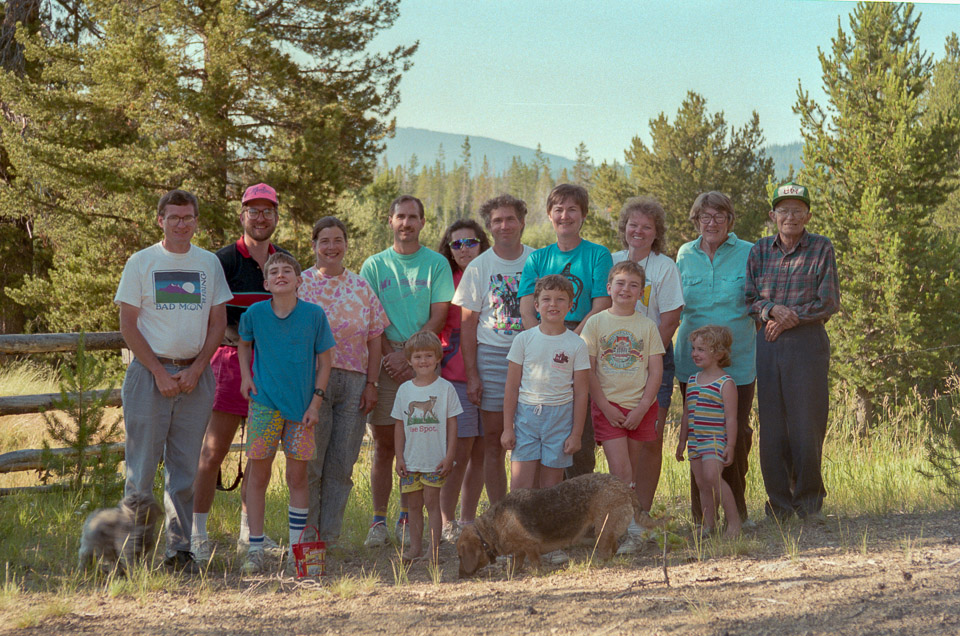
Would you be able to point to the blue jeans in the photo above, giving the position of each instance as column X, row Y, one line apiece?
column 171, row 428
column 339, row 435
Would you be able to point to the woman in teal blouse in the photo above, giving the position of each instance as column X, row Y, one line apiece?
column 713, row 275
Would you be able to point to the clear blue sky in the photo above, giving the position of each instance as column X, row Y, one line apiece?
column 557, row 72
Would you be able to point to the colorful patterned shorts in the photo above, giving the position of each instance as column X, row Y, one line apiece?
column 706, row 447
column 414, row 482
column 266, row 428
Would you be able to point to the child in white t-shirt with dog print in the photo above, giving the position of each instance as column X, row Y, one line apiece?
column 425, row 411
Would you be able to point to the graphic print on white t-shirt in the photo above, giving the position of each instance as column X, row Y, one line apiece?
column 427, row 415
column 505, row 304
column 179, row 289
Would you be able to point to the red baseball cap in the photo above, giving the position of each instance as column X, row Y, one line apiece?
column 260, row 191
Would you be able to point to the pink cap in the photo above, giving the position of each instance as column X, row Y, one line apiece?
column 259, row 191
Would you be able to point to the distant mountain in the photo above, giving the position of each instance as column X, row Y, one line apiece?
column 173, row 288
column 785, row 155
column 426, row 143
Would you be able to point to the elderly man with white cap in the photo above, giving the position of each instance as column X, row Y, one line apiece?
column 792, row 289
column 242, row 263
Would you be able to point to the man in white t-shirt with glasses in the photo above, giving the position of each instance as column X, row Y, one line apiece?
column 487, row 296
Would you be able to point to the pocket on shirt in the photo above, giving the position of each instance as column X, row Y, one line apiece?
column 691, row 284
column 731, row 288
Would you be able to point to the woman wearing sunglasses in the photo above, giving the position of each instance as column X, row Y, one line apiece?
column 463, row 241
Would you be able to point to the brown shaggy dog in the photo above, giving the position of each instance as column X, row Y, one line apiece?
column 527, row 523
column 120, row 535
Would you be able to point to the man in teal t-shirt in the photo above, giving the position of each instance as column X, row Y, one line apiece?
column 586, row 265
column 415, row 286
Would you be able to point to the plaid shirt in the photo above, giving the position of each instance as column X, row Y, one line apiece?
column 803, row 279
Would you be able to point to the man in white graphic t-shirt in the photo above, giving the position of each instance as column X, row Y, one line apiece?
column 172, row 298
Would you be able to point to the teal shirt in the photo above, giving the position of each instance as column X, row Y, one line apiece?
column 407, row 284
column 714, row 294
column 586, row 267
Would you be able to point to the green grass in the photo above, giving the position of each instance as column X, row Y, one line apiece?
column 865, row 475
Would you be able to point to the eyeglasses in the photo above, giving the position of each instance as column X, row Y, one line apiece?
column 177, row 220
column 464, row 244
column 719, row 219
column 792, row 212
column 268, row 214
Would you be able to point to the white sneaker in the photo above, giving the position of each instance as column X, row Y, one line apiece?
column 269, row 545
column 631, row 544
column 451, row 532
column 376, row 535
column 202, row 549
column 254, row 563
column 557, row 557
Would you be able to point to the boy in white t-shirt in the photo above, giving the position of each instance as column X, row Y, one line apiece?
column 546, row 391
column 425, row 411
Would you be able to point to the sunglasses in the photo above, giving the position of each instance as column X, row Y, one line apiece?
column 464, row 244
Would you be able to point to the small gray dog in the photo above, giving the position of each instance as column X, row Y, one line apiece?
column 118, row 536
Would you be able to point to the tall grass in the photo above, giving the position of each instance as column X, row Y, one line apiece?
column 870, row 474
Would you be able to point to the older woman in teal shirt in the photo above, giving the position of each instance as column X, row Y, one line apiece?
column 713, row 276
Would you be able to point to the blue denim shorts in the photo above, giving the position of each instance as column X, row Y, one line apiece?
column 541, row 431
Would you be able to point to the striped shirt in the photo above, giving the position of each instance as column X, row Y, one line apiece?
column 705, row 415
column 803, row 279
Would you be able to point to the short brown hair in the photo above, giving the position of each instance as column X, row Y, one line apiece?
column 177, row 197
column 404, row 198
column 502, row 201
column 328, row 222
column 281, row 257
column 566, row 191
column 627, row 267
column 649, row 207
column 717, row 339
column 716, row 200
column 423, row 341
column 552, row 282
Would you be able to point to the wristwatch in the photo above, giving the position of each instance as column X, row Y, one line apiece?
column 375, row 384
column 320, row 393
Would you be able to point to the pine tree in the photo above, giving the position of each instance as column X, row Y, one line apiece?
column 84, row 427
column 583, row 168
column 942, row 102
column 697, row 153
column 139, row 98
column 877, row 172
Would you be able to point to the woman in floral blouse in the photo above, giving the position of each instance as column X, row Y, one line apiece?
column 357, row 319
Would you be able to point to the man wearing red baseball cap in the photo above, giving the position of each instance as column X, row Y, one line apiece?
column 242, row 263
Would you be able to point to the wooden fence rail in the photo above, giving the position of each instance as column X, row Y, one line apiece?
column 54, row 342
column 30, row 459
column 19, row 344
column 19, row 404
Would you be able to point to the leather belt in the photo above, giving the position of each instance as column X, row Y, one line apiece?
column 185, row 362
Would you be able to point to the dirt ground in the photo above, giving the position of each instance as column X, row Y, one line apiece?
column 898, row 574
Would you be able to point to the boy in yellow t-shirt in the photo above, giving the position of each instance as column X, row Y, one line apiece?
column 626, row 365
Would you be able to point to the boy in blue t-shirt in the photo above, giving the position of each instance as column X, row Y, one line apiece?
column 294, row 354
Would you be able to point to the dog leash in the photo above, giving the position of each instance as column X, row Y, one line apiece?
column 239, row 477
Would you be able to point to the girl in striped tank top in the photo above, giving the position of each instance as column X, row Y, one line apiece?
column 708, row 430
